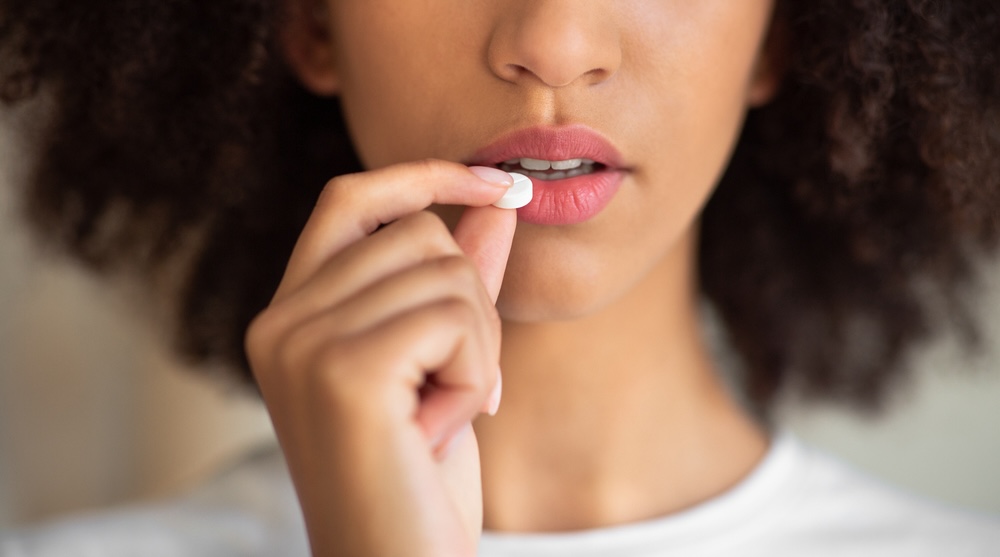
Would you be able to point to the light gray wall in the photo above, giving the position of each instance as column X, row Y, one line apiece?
column 941, row 436
column 92, row 410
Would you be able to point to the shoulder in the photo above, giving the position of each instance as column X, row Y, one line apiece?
column 857, row 514
column 248, row 510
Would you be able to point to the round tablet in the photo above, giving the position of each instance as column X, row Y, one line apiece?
column 518, row 195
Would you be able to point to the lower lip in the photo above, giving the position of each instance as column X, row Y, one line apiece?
column 570, row 200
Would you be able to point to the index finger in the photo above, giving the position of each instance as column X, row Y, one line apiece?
column 355, row 205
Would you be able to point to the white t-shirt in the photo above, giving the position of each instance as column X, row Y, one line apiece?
column 797, row 502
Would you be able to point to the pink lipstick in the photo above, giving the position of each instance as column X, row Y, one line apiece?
column 575, row 172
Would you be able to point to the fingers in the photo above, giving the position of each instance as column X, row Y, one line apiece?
column 451, row 395
column 360, row 335
column 353, row 206
column 447, row 277
column 426, row 364
column 402, row 266
column 450, row 278
column 382, row 342
column 485, row 235
column 353, row 289
column 410, row 241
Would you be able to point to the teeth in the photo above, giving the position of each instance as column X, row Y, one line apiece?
column 541, row 165
column 549, row 170
column 561, row 174
column 567, row 165
column 535, row 164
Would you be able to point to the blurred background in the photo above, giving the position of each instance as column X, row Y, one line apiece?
column 94, row 412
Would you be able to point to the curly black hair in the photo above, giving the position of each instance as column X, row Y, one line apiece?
column 848, row 223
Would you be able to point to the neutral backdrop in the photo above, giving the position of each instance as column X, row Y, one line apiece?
column 93, row 412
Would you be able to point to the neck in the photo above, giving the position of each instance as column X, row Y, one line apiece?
column 616, row 417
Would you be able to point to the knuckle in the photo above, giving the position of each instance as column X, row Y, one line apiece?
column 460, row 272
column 287, row 356
column 295, row 351
column 307, row 357
column 316, row 363
column 427, row 223
column 336, row 370
column 340, row 191
column 328, row 360
column 458, row 312
column 259, row 336
column 328, row 378
column 432, row 167
column 430, row 230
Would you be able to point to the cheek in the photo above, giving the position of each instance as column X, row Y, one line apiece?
column 697, row 75
column 702, row 76
column 399, row 62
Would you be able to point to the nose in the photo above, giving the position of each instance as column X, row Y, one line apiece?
column 556, row 42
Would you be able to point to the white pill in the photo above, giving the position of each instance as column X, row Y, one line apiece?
column 518, row 195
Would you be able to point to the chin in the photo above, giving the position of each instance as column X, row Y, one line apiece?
column 529, row 298
column 521, row 310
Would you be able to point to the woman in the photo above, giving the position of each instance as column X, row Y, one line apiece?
column 844, row 152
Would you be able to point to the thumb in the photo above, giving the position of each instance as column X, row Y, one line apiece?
column 485, row 235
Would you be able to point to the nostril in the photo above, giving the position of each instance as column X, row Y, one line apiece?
column 597, row 75
column 555, row 44
column 554, row 75
column 517, row 72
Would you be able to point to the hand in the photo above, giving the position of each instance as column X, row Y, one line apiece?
column 378, row 349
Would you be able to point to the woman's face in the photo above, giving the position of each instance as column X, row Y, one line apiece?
column 666, row 82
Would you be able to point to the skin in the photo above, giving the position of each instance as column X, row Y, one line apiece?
column 612, row 410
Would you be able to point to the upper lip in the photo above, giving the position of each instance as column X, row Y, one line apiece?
column 552, row 144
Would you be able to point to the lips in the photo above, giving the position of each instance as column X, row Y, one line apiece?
column 570, row 198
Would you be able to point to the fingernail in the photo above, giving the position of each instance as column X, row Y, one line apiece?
column 494, row 400
column 494, row 176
